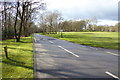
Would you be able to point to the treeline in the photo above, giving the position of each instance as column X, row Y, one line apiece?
column 52, row 22
column 104, row 28
column 84, row 25
column 17, row 18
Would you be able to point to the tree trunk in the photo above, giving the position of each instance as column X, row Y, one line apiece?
column 5, row 20
column 15, row 30
column 22, row 21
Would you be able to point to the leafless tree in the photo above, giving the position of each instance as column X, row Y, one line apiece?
column 19, row 21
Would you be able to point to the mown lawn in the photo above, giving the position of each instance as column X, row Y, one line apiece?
column 20, row 61
column 96, row 39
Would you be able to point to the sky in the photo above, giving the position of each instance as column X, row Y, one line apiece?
column 105, row 11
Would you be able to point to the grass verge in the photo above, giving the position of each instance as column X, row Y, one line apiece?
column 20, row 61
column 95, row 39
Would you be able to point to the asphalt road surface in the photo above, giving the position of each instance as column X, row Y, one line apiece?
column 56, row 58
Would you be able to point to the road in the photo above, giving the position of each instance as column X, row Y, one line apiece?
column 56, row 58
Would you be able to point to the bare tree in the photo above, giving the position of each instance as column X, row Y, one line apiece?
column 17, row 17
column 24, row 13
column 51, row 19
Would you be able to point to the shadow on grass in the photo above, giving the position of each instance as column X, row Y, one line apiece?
column 74, row 36
column 26, row 42
column 10, row 44
column 17, row 78
column 103, row 37
column 16, row 63
column 21, row 49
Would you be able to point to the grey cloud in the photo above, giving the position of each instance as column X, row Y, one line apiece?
column 97, row 10
column 101, row 9
column 100, row 14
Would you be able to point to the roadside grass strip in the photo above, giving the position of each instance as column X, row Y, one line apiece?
column 20, row 58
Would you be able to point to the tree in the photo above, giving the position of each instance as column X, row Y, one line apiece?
column 43, row 23
column 49, row 21
column 91, row 23
column 6, row 22
column 73, row 25
column 17, row 18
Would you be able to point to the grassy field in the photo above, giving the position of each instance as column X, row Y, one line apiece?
column 96, row 39
column 20, row 61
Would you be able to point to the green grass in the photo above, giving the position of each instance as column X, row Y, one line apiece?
column 20, row 61
column 96, row 39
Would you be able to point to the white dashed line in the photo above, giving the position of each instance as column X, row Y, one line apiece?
column 35, row 40
column 68, row 51
column 83, row 46
column 112, row 75
column 93, row 48
column 112, row 53
column 51, row 42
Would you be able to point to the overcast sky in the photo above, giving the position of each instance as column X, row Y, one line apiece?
column 106, row 11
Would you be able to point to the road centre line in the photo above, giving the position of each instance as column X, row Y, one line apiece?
column 93, row 48
column 68, row 51
column 112, row 75
column 112, row 53
column 35, row 40
column 51, row 42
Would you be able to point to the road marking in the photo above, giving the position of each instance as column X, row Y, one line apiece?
column 82, row 46
column 51, row 42
column 35, row 39
column 112, row 53
column 93, row 48
column 112, row 75
column 68, row 51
